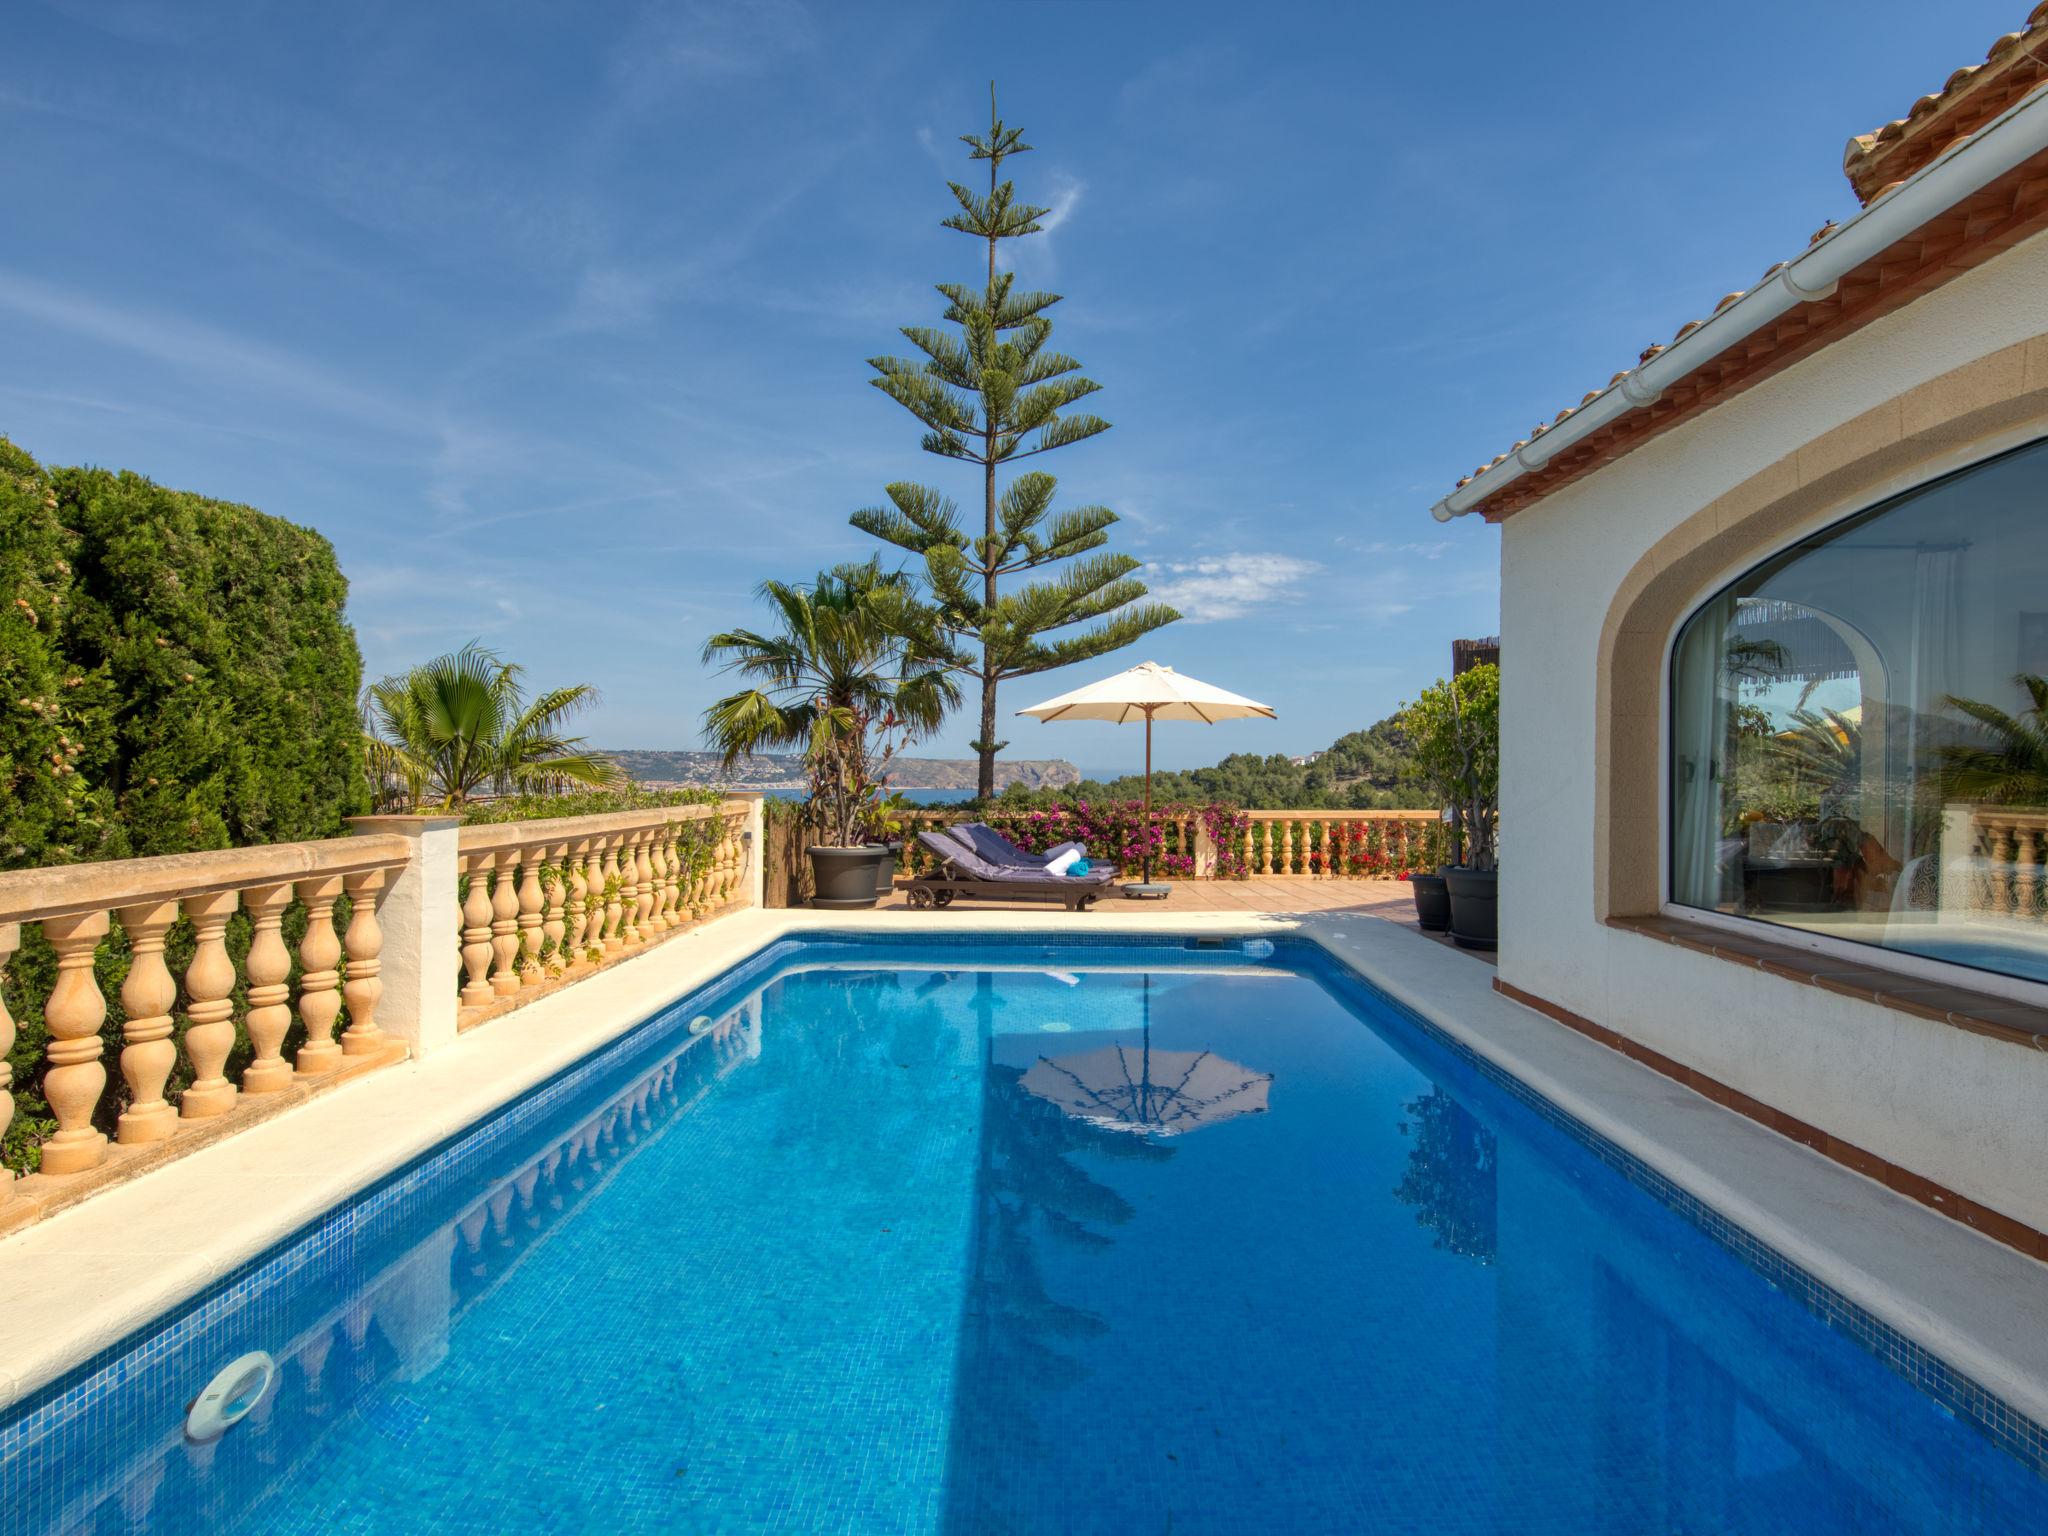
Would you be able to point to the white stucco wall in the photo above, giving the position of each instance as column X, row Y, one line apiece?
column 1957, row 1108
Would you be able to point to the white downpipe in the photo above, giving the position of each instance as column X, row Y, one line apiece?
column 2009, row 140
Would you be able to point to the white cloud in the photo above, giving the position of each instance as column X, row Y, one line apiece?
column 1426, row 549
column 1230, row 586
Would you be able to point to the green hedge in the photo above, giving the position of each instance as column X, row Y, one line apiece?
column 175, row 674
column 220, row 631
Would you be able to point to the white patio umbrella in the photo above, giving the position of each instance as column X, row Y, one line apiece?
column 1156, row 693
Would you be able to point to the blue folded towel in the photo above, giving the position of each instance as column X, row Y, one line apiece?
column 1078, row 867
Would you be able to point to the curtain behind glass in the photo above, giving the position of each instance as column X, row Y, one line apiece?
column 1701, row 693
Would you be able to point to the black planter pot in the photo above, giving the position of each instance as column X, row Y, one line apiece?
column 1432, row 902
column 886, row 855
column 844, row 877
column 1474, row 907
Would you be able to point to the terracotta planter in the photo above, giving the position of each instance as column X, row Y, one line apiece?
column 1432, row 902
column 1474, row 907
column 844, row 878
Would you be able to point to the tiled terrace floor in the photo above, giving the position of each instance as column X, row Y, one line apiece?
column 1389, row 900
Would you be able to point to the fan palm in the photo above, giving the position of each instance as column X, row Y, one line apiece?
column 462, row 723
column 853, row 651
column 2008, row 764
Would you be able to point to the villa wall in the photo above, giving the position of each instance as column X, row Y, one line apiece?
column 1594, row 580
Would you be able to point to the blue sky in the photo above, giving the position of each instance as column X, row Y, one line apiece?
column 554, row 318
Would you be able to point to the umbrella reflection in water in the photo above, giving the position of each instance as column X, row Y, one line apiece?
column 1165, row 1093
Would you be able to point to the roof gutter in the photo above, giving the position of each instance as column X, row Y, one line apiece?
column 2006, row 142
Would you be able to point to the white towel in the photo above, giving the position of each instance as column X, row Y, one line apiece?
column 1060, row 865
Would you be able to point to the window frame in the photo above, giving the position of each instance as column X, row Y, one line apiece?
column 1856, row 954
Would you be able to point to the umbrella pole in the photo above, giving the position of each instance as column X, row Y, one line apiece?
column 1148, row 794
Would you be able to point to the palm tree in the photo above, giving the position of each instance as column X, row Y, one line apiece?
column 855, row 651
column 461, row 723
column 2008, row 764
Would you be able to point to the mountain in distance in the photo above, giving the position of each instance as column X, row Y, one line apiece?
column 785, row 770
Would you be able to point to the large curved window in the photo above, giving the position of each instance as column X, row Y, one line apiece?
column 1860, row 728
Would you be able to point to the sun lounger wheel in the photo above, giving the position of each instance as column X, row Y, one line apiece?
column 920, row 899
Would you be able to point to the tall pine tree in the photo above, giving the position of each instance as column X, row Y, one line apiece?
column 992, row 393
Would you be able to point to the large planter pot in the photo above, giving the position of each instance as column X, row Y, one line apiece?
column 844, row 878
column 886, row 855
column 1474, row 907
column 1432, row 902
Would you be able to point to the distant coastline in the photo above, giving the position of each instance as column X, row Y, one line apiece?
column 923, row 779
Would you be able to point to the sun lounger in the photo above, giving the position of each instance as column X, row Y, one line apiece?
column 964, row 872
column 985, row 840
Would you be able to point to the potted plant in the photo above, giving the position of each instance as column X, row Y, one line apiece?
column 855, row 653
column 883, row 823
column 1455, row 727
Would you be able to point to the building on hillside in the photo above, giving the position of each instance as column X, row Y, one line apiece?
column 1467, row 654
column 1775, row 602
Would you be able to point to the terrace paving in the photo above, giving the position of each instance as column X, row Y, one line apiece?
column 1264, row 896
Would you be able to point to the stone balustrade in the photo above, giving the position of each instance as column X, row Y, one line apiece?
column 2010, row 848
column 227, row 985
column 193, row 898
column 545, row 902
column 1329, row 845
column 1276, row 844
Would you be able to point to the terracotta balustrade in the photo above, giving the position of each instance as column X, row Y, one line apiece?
column 318, row 960
column 183, row 905
column 1277, row 844
column 2011, row 854
column 545, row 902
column 1339, row 844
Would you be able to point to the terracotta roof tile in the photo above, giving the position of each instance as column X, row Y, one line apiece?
column 2016, row 65
column 1878, row 163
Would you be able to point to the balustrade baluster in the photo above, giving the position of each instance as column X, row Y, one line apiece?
column 643, row 888
column 2004, row 850
column 2026, row 880
column 531, row 900
column 554, row 928
column 664, row 918
column 319, row 977
column 365, row 982
column 476, row 932
column 209, row 1007
column 73, row 1014
column 629, row 890
column 147, row 997
column 268, row 967
column 593, row 898
column 614, row 896
column 505, row 925
column 10, row 941
column 577, row 914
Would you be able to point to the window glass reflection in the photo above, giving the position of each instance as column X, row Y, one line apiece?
column 1860, row 729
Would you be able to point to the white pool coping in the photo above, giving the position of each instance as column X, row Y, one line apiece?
column 90, row 1276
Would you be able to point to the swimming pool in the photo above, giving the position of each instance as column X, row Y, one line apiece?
column 988, row 1234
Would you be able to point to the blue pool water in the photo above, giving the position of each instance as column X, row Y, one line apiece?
column 989, row 1237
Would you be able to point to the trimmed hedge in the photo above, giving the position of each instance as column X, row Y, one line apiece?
column 175, row 675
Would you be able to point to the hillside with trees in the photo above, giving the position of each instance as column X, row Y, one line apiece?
column 1368, row 770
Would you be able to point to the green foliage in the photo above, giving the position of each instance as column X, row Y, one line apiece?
column 219, row 632
column 991, row 392
column 52, row 712
column 586, row 802
column 175, row 675
column 855, row 652
column 1455, row 731
column 2008, row 762
column 461, row 723
column 1368, row 770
